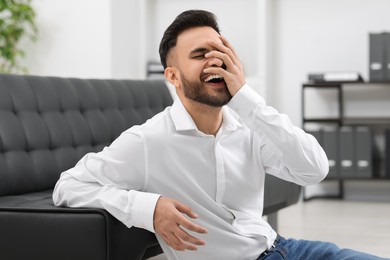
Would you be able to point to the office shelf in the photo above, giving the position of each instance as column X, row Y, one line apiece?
column 341, row 119
column 351, row 121
column 374, row 122
column 366, row 121
column 323, row 120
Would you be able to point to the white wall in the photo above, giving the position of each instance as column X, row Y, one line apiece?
column 318, row 36
column 74, row 39
column 102, row 38
column 128, row 30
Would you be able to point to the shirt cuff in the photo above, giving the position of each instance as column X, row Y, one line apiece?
column 143, row 210
column 245, row 100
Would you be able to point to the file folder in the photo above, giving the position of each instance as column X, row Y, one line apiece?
column 330, row 146
column 348, row 76
column 346, row 152
column 377, row 57
column 387, row 153
column 364, row 151
column 387, row 56
column 317, row 135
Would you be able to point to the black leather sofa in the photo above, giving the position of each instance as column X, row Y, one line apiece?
column 46, row 125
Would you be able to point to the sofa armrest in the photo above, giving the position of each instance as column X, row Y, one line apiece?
column 44, row 231
column 279, row 194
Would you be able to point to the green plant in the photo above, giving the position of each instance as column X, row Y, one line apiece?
column 17, row 20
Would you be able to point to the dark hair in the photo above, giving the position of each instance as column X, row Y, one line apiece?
column 186, row 20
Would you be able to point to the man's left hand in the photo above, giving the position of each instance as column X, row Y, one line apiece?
column 234, row 73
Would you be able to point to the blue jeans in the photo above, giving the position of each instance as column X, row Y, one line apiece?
column 313, row 250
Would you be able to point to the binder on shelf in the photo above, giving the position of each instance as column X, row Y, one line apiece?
column 346, row 152
column 155, row 70
column 387, row 153
column 387, row 56
column 347, row 76
column 377, row 56
column 364, row 152
column 317, row 133
column 330, row 146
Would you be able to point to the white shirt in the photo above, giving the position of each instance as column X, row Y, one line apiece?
column 220, row 177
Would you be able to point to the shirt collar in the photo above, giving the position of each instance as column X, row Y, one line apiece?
column 184, row 122
column 181, row 119
column 230, row 120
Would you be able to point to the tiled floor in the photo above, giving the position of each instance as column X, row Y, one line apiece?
column 363, row 226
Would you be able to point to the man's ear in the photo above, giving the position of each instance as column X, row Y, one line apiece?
column 172, row 75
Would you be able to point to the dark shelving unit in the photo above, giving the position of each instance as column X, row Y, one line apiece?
column 341, row 120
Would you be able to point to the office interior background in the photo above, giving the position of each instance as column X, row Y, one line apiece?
column 279, row 42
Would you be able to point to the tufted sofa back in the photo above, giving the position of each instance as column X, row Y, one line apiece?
column 48, row 123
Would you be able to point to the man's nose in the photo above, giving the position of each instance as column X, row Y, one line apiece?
column 214, row 62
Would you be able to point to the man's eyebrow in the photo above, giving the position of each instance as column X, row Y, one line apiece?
column 199, row 50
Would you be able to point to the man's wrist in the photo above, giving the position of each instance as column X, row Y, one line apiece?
column 245, row 100
column 143, row 210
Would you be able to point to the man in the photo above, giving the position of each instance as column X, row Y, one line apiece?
column 194, row 174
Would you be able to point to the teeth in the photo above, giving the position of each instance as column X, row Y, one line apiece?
column 212, row 77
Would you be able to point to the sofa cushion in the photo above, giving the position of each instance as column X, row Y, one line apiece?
column 47, row 123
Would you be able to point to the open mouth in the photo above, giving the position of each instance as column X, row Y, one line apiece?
column 214, row 79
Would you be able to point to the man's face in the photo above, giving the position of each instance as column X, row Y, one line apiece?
column 188, row 57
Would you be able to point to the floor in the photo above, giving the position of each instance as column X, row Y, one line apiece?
column 363, row 226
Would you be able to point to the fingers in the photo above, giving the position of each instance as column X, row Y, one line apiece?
column 222, row 56
column 189, row 238
column 233, row 75
column 227, row 44
column 176, row 243
column 184, row 209
column 191, row 226
column 170, row 222
column 224, row 48
column 190, row 242
column 185, row 222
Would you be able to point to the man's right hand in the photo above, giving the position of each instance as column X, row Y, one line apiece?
column 169, row 222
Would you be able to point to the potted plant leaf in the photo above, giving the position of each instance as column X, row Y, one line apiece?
column 17, row 20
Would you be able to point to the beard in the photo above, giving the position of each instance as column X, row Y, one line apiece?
column 194, row 90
